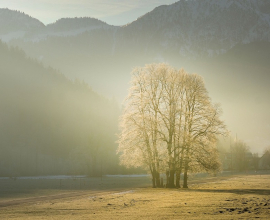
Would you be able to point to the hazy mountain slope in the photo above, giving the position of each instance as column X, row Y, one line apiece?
column 195, row 28
column 17, row 21
column 67, row 24
column 15, row 24
column 255, row 53
column 49, row 124
column 178, row 32
column 68, row 27
column 186, row 28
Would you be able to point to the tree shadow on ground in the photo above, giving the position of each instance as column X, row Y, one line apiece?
column 235, row 191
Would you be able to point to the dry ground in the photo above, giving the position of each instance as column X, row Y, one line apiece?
column 239, row 197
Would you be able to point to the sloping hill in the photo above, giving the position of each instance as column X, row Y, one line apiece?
column 49, row 124
column 15, row 24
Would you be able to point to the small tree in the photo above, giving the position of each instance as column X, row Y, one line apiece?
column 240, row 155
column 255, row 161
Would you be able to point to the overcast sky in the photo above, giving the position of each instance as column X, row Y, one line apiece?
column 115, row 12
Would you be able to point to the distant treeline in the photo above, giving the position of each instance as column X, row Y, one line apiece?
column 50, row 124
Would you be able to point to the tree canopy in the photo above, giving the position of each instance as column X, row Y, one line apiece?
column 169, row 124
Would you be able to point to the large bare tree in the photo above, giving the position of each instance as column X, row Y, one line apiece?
column 169, row 124
column 138, row 142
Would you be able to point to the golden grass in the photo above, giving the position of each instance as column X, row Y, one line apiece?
column 241, row 197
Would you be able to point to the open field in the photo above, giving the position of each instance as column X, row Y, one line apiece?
column 20, row 188
column 230, row 197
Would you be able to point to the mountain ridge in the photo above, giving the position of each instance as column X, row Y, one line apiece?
column 189, row 27
column 193, row 27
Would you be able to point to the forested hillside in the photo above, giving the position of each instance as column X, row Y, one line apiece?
column 51, row 125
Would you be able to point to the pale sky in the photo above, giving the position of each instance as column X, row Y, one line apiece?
column 115, row 12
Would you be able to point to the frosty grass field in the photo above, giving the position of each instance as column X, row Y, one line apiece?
column 224, row 197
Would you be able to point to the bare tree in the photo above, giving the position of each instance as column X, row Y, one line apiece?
column 255, row 161
column 169, row 124
column 240, row 158
column 138, row 142
column 202, row 125
column 266, row 149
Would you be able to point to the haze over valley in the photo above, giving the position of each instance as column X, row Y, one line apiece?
column 109, row 107
column 62, row 84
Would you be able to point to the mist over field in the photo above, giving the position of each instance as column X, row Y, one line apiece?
column 117, row 87
column 101, row 100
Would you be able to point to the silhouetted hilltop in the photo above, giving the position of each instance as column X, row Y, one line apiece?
column 16, row 21
column 64, row 24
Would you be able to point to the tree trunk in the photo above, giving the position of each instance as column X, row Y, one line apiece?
column 153, row 181
column 158, row 179
column 181, row 165
column 185, row 180
column 167, row 178
column 177, row 184
column 171, row 179
column 185, row 185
